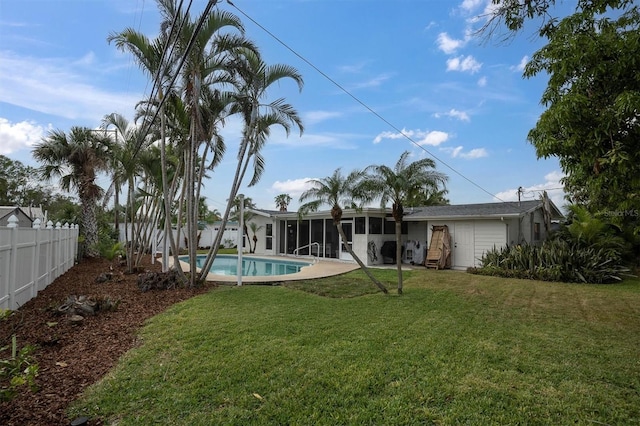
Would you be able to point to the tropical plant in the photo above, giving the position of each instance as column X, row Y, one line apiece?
column 76, row 158
column 254, row 230
column 17, row 370
column 252, row 81
column 334, row 191
column 282, row 201
column 556, row 260
column 401, row 185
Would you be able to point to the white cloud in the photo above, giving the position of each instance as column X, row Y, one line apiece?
column 551, row 184
column 449, row 45
column 454, row 113
column 475, row 153
column 372, row 82
column 293, row 187
column 470, row 5
column 433, row 138
column 464, row 64
column 521, row 65
column 482, row 81
column 58, row 87
column 314, row 117
column 17, row 136
column 469, row 155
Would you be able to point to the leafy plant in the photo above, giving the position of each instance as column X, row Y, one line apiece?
column 16, row 371
column 556, row 260
column 113, row 251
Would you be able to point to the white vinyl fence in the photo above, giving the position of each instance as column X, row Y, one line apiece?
column 31, row 258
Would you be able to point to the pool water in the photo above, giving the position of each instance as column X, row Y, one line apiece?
column 251, row 266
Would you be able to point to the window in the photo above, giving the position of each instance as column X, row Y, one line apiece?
column 269, row 236
column 360, row 225
column 375, row 225
column 536, row 231
column 389, row 225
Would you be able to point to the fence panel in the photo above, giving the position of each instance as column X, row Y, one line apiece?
column 31, row 259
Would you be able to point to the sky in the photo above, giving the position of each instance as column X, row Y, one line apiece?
column 380, row 78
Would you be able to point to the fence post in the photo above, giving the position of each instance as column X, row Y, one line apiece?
column 35, row 262
column 13, row 261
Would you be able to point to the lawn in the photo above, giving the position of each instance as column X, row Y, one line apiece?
column 454, row 349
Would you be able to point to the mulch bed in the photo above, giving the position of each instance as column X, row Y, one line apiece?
column 72, row 356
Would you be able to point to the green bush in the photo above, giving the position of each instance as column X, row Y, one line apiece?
column 17, row 370
column 586, row 249
column 555, row 260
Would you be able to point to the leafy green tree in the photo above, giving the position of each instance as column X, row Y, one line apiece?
column 513, row 14
column 19, row 184
column 63, row 209
column 593, row 103
column 76, row 158
column 593, row 99
column 335, row 191
column 400, row 185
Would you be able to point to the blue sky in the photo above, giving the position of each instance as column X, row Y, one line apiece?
column 415, row 63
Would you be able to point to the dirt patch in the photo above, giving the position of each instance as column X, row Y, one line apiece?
column 73, row 355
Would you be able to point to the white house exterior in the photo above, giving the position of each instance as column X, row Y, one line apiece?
column 474, row 229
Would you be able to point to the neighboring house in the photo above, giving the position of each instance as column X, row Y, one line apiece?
column 474, row 229
column 36, row 213
column 24, row 221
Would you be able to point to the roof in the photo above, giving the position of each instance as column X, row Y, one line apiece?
column 457, row 211
column 6, row 211
column 484, row 210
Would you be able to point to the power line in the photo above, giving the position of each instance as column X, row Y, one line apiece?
column 371, row 110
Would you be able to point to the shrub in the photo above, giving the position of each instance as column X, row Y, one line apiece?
column 17, row 370
column 555, row 260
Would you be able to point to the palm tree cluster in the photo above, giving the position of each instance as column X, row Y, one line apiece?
column 203, row 71
column 407, row 184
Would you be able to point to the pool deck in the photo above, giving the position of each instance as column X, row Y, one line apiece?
column 318, row 269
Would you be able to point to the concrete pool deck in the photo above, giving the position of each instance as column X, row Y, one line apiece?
column 317, row 269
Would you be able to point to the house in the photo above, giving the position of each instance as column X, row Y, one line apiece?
column 474, row 229
column 24, row 221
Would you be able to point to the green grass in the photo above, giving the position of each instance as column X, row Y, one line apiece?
column 454, row 349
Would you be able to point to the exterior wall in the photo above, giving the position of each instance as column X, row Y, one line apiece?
column 261, row 234
column 478, row 235
column 487, row 235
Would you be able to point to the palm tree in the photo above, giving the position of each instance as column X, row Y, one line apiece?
column 76, row 158
column 253, row 79
column 282, row 201
column 254, row 229
column 399, row 185
column 334, row 191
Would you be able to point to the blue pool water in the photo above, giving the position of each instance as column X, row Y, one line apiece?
column 225, row 264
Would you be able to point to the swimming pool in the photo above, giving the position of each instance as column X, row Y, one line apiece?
column 225, row 264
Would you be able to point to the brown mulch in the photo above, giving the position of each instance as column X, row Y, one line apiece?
column 73, row 356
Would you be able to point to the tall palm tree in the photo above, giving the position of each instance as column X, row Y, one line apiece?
column 127, row 167
column 76, row 158
column 253, row 79
column 334, row 191
column 282, row 201
column 149, row 56
column 399, row 185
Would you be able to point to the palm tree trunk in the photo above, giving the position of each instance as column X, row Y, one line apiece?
column 399, row 253
column 359, row 262
column 90, row 227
